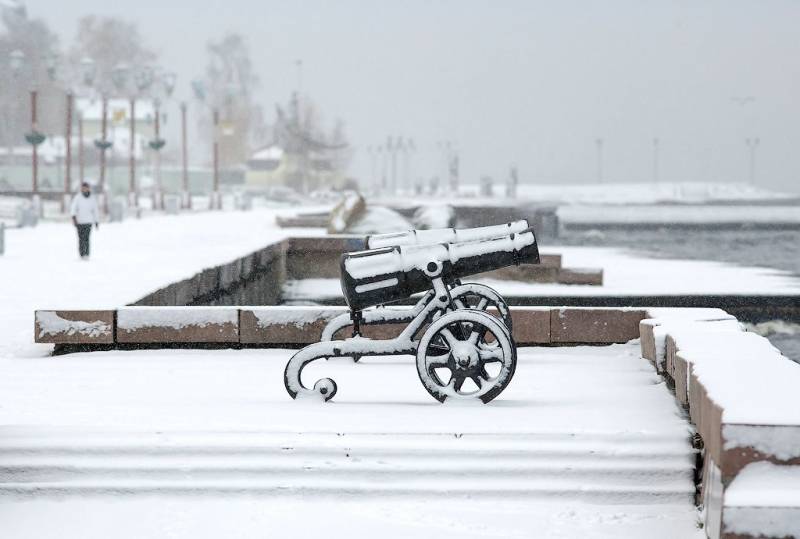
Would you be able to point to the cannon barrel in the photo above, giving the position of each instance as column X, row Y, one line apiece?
column 389, row 274
column 444, row 235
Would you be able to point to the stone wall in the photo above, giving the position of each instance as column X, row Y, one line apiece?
column 254, row 279
column 293, row 326
column 742, row 397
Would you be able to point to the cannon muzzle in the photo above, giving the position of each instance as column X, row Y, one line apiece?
column 389, row 274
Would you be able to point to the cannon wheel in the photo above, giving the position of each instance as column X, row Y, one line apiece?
column 466, row 354
column 481, row 297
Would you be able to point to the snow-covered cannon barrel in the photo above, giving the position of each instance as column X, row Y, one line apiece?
column 385, row 275
column 445, row 235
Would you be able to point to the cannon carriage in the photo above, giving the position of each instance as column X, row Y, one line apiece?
column 462, row 351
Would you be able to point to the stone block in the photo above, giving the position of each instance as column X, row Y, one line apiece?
column 330, row 244
column 647, row 339
column 585, row 276
column 248, row 266
column 525, row 273
column 531, row 325
column 74, row 327
column 229, row 274
column 653, row 331
column 595, row 326
column 207, row 282
column 163, row 325
column 550, row 261
column 680, row 375
column 184, row 292
column 285, row 324
column 271, row 253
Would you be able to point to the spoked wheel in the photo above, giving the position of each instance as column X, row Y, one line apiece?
column 481, row 297
column 466, row 354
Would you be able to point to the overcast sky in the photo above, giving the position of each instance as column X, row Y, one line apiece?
column 525, row 82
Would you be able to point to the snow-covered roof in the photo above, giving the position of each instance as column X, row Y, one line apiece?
column 269, row 153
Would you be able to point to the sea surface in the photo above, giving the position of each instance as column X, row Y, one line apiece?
column 765, row 248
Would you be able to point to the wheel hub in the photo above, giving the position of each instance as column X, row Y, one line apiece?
column 466, row 356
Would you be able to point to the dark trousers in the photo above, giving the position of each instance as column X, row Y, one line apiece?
column 83, row 239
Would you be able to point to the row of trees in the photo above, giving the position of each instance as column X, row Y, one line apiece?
column 229, row 85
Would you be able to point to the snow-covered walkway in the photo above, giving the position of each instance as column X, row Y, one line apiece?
column 584, row 442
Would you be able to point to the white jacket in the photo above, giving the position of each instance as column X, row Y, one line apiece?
column 84, row 209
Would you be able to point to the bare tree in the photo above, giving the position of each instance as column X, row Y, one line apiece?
column 229, row 85
column 109, row 41
column 36, row 47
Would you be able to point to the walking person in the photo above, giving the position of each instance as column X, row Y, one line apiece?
column 84, row 213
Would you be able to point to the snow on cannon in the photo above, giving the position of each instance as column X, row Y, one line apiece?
column 461, row 352
column 464, row 296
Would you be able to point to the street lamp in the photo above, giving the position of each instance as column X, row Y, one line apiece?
column 102, row 144
column 199, row 88
column 752, row 146
column 408, row 149
column 87, row 70
column 599, row 144
column 142, row 79
column 656, row 147
column 17, row 61
column 164, row 88
column 81, row 74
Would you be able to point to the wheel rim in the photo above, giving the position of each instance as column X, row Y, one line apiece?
column 466, row 354
column 473, row 296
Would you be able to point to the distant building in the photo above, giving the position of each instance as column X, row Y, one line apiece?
column 272, row 166
column 117, row 124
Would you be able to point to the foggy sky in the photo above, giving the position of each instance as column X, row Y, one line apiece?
column 531, row 83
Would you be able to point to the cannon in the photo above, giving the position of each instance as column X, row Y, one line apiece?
column 461, row 352
column 469, row 295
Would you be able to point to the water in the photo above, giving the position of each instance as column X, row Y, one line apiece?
column 766, row 248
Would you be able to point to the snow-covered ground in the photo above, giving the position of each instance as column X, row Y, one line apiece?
column 624, row 274
column 584, row 442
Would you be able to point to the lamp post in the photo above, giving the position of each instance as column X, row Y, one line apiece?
column 372, row 179
column 51, row 65
column 16, row 61
column 132, row 87
column 398, row 147
column 752, row 146
column 216, row 203
column 656, row 144
column 102, row 144
column 388, row 181
column 86, row 77
column 599, row 144
column 163, row 87
column 408, row 149
column 186, row 198
column 199, row 88
column 87, row 73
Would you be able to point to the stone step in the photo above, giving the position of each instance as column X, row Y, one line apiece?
column 614, row 467
column 28, row 468
column 513, row 488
